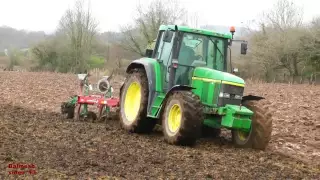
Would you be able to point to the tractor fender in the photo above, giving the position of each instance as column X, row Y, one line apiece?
column 172, row 90
column 251, row 98
column 150, row 72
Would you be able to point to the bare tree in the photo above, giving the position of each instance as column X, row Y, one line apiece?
column 79, row 27
column 133, row 40
column 285, row 14
column 147, row 23
column 310, row 46
column 277, row 44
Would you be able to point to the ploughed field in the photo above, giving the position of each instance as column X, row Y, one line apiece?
column 32, row 132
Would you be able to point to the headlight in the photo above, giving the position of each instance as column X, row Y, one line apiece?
column 238, row 97
column 225, row 95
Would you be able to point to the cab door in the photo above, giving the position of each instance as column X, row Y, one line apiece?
column 192, row 53
column 163, row 53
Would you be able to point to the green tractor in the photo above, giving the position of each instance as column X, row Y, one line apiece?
column 183, row 84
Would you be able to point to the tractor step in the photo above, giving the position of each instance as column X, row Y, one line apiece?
column 156, row 105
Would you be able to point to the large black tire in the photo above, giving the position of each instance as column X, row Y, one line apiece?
column 260, row 133
column 191, row 118
column 140, row 124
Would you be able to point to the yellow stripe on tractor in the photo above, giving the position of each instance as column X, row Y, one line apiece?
column 218, row 81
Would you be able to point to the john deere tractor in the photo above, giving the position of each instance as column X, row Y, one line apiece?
column 183, row 84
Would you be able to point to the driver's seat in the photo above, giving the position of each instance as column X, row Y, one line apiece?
column 185, row 58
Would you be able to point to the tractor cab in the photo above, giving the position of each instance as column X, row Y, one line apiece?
column 180, row 50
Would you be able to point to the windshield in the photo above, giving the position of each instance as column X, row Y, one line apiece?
column 209, row 50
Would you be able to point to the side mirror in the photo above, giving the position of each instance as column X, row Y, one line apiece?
column 168, row 36
column 244, row 48
column 149, row 53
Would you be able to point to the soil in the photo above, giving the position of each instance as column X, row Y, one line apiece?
column 33, row 132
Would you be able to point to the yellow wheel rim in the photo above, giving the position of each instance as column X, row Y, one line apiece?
column 243, row 135
column 174, row 119
column 132, row 101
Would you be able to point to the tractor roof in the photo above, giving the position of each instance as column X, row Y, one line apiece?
column 195, row 30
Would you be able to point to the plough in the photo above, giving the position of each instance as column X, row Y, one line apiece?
column 76, row 107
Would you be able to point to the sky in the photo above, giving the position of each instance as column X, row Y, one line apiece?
column 44, row 15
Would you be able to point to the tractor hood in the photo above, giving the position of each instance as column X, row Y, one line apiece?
column 207, row 73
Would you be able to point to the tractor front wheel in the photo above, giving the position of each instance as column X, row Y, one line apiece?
column 260, row 133
column 134, row 103
column 182, row 118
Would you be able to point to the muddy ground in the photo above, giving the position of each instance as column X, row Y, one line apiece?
column 32, row 132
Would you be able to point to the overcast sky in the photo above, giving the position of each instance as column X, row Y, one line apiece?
column 44, row 15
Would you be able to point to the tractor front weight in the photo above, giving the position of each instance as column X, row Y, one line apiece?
column 230, row 117
column 236, row 117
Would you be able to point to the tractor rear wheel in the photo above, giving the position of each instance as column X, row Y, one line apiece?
column 260, row 132
column 182, row 118
column 134, row 103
